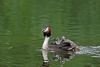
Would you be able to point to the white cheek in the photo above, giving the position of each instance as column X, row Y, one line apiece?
column 46, row 30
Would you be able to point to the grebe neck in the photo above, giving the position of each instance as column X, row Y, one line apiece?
column 45, row 43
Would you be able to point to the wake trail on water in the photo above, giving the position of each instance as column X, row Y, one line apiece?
column 93, row 51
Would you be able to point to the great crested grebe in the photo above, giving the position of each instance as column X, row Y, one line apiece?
column 58, row 46
column 47, row 33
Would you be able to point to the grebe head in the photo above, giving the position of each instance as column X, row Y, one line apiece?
column 47, row 31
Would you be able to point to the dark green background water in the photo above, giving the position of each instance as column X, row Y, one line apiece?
column 21, row 22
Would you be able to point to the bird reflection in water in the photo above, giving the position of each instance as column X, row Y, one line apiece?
column 59, row 55
column 63, row 56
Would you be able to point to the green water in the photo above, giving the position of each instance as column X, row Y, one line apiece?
column 21, row 22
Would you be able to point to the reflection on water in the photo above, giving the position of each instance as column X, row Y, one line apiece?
column 64, row 56
column 60, row 56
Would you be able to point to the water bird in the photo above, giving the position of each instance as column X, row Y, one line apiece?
column 61, row 47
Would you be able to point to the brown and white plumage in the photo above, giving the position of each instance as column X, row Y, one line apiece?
column 58, row 46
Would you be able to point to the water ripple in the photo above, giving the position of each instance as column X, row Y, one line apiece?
column 93, row 51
